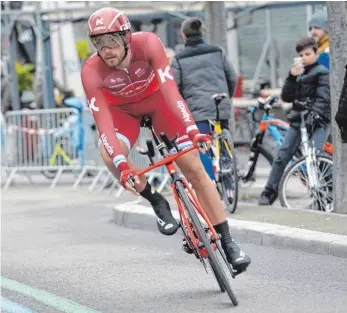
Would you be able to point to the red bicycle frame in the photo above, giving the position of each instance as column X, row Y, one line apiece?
column 171, row 168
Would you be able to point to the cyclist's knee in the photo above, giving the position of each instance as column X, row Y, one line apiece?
column 193, row 169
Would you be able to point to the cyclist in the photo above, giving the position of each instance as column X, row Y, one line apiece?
column 130, row 77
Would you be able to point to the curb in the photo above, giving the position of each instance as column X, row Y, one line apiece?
column 135, row 215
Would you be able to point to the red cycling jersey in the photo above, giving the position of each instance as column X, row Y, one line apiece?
column 115, row 94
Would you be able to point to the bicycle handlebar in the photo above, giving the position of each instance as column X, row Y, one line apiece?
column 168, row 159
column 264, row 104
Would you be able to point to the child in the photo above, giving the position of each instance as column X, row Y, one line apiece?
column 307, row 79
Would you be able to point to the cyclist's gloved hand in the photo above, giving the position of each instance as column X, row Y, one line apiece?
column 129, row 180
column 202, row 141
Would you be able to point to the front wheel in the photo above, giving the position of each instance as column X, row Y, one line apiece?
column 201, row 234
column 295, row 190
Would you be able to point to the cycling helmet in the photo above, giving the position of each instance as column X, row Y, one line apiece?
column 109, row 27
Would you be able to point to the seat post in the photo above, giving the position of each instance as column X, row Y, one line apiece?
column 147, row 123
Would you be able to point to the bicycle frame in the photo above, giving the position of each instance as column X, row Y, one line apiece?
column 273, row 125
column 168, row 162
column 216, row 146
column 58, row 150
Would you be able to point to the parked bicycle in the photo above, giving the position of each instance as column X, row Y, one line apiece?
column 70, row 133
column 203, row 242
column 313, row 171
column 223, row 160
column 274, row 126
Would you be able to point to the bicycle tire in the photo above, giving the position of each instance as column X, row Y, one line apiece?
column 50, row 174
column 219, row 273
column 231, row 207
column 290, row 170
column 220, row 283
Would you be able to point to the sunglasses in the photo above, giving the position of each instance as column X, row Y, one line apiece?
column 113, row 40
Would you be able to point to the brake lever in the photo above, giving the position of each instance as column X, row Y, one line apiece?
column 131, row 180
column 204, row 146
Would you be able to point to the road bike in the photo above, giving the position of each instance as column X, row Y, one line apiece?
column 200, row 237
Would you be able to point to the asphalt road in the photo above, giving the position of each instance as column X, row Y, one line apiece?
column 74, row 251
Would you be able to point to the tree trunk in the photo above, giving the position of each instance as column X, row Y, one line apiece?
column 216, row 25
column 337, row 17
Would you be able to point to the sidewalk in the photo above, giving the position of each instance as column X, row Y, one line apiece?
column 310, row 231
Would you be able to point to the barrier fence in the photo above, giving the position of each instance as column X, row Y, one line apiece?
column 52, row 142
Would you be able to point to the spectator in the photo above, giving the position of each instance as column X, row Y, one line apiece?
column 319, row 30
column 200, row 71
column 170, row 53
column 306, row 80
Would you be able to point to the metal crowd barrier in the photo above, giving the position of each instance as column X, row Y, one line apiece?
column 159, row 177
column 57, row 141
column 46, row 141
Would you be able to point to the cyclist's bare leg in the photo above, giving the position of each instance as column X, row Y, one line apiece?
column 166, row 223
column 195, row 173
column 205, row 189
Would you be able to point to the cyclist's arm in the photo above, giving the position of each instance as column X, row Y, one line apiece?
column 102, row 116
column 230, row 74
column 160, row 63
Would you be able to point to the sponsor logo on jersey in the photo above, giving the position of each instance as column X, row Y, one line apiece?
column 182, row 138
column 116, row 80
column 165, row 74
column 117, row 160
column 108, row 147
column 139, row 72
column 117, row 86
column 92, row 105
column 182, row 107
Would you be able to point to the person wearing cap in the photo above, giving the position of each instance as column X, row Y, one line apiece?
column 319, row 29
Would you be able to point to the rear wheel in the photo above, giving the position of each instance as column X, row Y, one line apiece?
column 201, row 233
column 228, row 177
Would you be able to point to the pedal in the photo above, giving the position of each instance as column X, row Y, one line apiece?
column 186, row 247
column 238, row 272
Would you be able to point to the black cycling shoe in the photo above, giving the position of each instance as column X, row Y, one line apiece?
column 268, row 196
column 236, row 257
column 166, row 223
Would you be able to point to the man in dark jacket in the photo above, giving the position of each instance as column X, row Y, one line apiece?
column 306, row 80
column 341, row 114
column 200, row 71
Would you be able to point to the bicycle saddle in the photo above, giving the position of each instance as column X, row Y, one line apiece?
column 218, row 97
column 146, row 121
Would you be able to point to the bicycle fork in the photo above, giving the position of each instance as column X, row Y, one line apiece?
column 253, row 157
column 309, row 153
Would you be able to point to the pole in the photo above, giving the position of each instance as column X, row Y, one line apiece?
column 337, row 12
column 216, row 26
